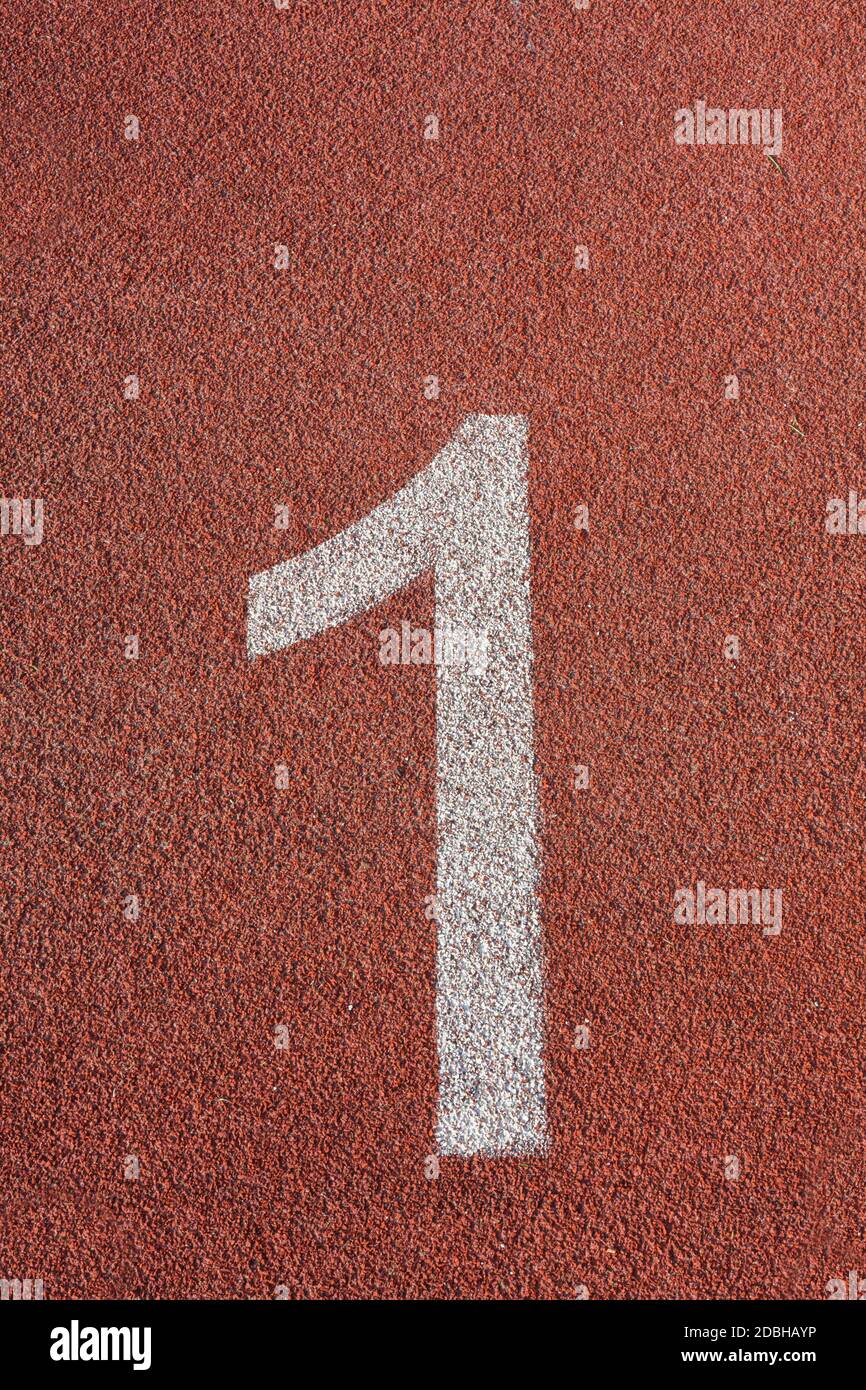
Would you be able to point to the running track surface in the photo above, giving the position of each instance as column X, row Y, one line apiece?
column 305, row 1167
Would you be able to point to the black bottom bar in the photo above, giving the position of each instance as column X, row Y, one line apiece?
column 595, row 1338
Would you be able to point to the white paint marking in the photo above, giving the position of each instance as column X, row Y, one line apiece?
column 465, row 517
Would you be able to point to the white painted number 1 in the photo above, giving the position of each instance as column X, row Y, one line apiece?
column 466, row 518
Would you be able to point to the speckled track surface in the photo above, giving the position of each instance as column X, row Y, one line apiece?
column 305, row 1167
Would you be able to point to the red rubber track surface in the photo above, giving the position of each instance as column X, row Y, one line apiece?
column 306, row 1167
